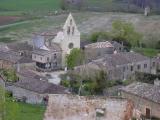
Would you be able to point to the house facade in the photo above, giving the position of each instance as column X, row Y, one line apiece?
column 51, row 48
column 146, row 99
column 120, row 66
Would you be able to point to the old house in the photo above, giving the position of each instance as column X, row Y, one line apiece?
column 51, row 48
column 73, row 107
column 22, row 48
column 98, row 49
column 13, row 60
column 146, row 99
column 32, row 88
column 120, row 66
column 9, row 60
column 15, row 55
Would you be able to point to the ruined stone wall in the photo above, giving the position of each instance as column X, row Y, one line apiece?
column 70, row 107
column 140, row 104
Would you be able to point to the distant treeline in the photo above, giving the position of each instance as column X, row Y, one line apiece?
column 114, row 5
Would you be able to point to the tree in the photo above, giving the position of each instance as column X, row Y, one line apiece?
column 101, row 82
column 96, row 36
column 125, row 32
column 63, row 5
column 10, row 75
column 76, row 57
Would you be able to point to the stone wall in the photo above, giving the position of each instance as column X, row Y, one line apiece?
column 71, row 107
column 20, row 93
column 140, row 105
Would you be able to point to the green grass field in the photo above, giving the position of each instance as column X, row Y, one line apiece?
column 29, row 5
column 23, row 111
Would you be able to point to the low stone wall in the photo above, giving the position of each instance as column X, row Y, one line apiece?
column 20, row 93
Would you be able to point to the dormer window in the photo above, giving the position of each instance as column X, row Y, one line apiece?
column 68, row 30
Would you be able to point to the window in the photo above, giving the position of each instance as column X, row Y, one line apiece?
column 72, row 30
column 48, row 59
column 68, row 30
column 70, row 46
column 131, row 68
column 41, row 58
column 138, row 67
column 55, row 56
column 124, row 69
column 55, row 63
column 35, row 56
column 145, row 65
column 153, row 64
column 70, row 21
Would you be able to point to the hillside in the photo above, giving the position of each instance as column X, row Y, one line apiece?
column 88, row 22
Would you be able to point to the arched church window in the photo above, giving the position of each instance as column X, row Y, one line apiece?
column 70, row 21
column 72, row 30
column 70, row 46
column 68, row 30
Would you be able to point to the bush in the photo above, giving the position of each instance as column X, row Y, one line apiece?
column 65, row 83
column 10, row 75
column 98, row 36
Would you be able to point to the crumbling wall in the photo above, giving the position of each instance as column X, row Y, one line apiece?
column 70, row 107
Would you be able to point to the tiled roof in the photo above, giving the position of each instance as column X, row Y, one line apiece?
column 41, row 52
column 144, row 90
column 10, row 56
column 99, row 45
column 112, row 60
column 53, row 48
column 20, row 46
column 39, row 86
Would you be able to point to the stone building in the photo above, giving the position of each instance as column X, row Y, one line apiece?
column 119, row 66
column 33, row 89
column 15, row 55
column 9, row 60
column 59, row 41
column 73, row 107
column 13, row 60
column 146, row 99
column 99, row 49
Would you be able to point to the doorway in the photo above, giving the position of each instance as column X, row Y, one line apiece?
column 148, row 113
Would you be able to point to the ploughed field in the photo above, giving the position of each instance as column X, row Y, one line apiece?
column 9, row 19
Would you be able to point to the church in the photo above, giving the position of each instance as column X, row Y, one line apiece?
column 52, row 47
